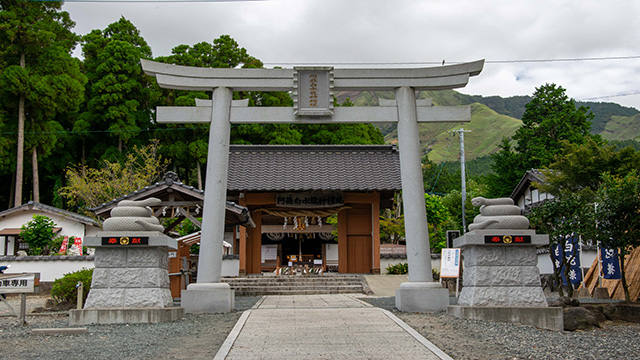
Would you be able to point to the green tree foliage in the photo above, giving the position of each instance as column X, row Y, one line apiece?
column 580, row 167
column 392, row 222
column 453, row 202
column 89, row 187
column 618, row 217
column 38, row 233
column 626, row 143
column 438, row 220
column 39, row 79
column 549, row 119
column 118, row 93
column 562, row 218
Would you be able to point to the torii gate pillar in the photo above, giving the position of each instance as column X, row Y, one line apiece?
column 208, row 294
column 421, row 293
column 312, row 88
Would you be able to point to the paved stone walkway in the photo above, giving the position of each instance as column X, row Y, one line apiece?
column 323, row 327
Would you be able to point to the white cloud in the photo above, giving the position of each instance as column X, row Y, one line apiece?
column 373, row 31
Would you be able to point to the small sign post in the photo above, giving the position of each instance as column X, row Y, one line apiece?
column 450, row 265
column 22, row 284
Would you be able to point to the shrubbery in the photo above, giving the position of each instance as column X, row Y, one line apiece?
column 398, row 269
column 64, row 288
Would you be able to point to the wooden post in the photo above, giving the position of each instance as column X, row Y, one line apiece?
column 23, row 309
column 80, row 288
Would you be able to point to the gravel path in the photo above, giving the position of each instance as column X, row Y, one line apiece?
column 200, row 336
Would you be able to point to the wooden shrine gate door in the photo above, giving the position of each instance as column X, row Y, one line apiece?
column 356, row 241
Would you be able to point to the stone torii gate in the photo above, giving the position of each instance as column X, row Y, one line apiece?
column 312, row 89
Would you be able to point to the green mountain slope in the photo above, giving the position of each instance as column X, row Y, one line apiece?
column 622, row 128
column 487, row 130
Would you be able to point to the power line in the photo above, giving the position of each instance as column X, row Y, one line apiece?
column 610, row 96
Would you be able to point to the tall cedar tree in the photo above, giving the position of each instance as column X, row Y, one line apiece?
column 39, row 80
column 118, row 91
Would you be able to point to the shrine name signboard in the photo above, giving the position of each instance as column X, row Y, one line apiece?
column 309, row 200
column 313, row 91
column 124, row 240
column 19, row 283
column 507, row 239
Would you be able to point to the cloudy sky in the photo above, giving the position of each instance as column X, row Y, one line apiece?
column 601, row 38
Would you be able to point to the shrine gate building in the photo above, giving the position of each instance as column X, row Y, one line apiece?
column 296, row 192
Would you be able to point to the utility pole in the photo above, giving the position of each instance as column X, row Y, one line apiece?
column 463, row 178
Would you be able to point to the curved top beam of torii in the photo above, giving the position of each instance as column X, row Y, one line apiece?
column 195, row 78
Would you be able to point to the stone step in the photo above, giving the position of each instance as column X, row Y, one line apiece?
column 301, row 287
column 292, row 278
column 294, row 292
column 295, row 284
column 275, row 283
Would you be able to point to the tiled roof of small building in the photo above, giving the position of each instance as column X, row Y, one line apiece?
column 313, row 167
column 34, row 205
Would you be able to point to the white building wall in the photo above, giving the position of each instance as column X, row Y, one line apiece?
column 51, row 269
column 546, row 267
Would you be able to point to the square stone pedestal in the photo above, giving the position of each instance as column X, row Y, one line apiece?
column 203, row 298
column 550, row 318
column 502, row 281
column 130, row 283
column 124, row 316
column 422, row 297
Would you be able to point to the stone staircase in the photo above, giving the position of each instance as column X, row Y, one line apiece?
column 298, row 285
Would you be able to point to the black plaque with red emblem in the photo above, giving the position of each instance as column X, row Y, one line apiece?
column 507, row 239
column 124, row 240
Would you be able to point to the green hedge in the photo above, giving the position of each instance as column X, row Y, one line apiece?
column 64, row 288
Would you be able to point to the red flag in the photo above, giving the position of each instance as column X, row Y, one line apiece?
column 78, row 243
column 63, row 247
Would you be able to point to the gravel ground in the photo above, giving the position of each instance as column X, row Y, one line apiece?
column 200, row 336
column 193, row 337
column 480, row 340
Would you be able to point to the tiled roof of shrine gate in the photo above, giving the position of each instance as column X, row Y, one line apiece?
column 313, row 167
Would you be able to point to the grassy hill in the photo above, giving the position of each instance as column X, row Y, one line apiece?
column 487, row 130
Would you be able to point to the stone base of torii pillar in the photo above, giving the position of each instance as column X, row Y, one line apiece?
column 202, row 298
